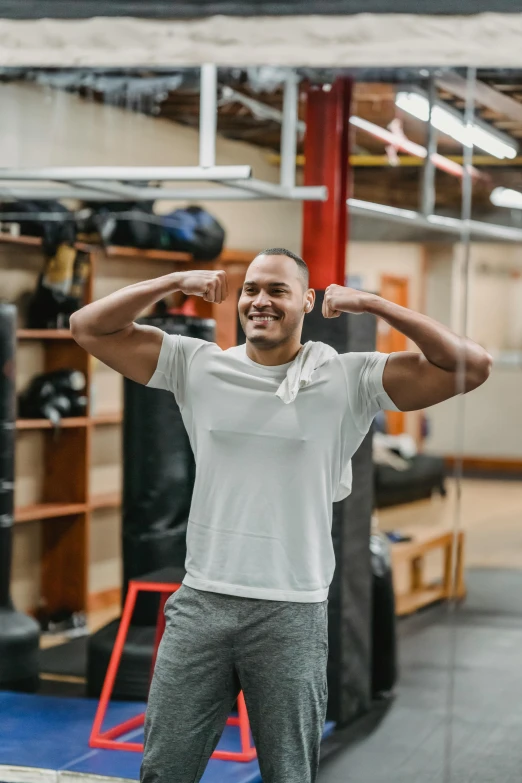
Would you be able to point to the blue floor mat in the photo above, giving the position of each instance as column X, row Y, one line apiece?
column 47, row 732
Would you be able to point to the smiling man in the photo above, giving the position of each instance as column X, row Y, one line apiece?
column 273, row 426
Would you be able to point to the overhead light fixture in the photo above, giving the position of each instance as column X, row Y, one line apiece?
column 505, row 197
column 452, row 124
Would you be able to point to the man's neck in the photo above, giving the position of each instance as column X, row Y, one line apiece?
column 272, row 357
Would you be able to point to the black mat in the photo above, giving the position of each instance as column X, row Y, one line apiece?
column 68, row 659
column 456, row 717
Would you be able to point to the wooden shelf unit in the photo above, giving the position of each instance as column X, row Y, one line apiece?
column 48, row 511
column 67, row 500
column 43, row 334
column 45, row 424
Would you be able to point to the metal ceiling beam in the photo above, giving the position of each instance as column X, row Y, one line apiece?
column 108, row 189
column 261, row 111
column 208, row 112
column 264, row 191
column 289, row 131
column 440, row 223
column 428, row 173
column 128, row 173
column 484, row 94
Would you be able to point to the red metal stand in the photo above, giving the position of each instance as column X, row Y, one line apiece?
column 109, row 739
column 326, row 148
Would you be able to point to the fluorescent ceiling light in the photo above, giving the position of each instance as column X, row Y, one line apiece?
column 452, row 124
column 505, row 197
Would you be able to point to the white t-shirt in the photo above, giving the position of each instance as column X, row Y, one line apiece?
column 266, row 472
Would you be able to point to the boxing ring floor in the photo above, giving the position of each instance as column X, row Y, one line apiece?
column 44, row 739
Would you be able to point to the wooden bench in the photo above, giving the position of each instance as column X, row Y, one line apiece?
column 408, row 563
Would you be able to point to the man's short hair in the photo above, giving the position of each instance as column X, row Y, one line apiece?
column 282, row 251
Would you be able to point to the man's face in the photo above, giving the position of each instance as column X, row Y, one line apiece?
column 272, row 302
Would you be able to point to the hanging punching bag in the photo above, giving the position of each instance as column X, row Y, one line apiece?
column 19, row 634
column 158, row 474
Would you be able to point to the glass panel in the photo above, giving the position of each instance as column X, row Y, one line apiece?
column 446, row 535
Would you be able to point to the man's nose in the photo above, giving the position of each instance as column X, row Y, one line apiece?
column 261, row 300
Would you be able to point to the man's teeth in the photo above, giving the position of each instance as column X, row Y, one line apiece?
column 264, row 318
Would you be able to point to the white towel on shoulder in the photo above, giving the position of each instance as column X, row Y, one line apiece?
column 311, row 356
column 300, row 373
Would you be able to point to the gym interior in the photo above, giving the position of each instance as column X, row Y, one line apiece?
column 400, row 180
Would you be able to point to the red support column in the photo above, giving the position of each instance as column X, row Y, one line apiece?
column 326, row 148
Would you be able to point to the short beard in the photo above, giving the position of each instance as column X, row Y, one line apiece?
column 266, row 344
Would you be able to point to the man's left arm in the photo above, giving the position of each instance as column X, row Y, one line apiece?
column 447, row 365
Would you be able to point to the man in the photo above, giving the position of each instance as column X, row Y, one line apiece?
column 252, row 611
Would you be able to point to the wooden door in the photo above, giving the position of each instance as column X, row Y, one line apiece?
column 389, row 340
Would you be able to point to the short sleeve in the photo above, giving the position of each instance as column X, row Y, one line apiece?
column 366, row 393
column 173, row 365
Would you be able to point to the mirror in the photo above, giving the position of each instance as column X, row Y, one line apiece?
column 434, row 226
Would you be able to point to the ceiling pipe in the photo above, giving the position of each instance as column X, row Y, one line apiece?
column 440, row 223
column 400, row 142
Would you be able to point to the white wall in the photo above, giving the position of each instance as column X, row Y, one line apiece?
column 43, row 127
column 485, row 423
column 371, row 260
column 488, row 421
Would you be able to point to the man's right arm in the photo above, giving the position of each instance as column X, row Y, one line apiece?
column 106, row 328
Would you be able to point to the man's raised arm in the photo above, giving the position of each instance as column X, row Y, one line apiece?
column 417, row 380
column 106, row 328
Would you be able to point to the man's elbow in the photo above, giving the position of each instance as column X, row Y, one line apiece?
column 479, row 371
column 79, row 328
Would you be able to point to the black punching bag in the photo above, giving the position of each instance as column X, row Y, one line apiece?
column 158, row 474
column 350, row 596
column 19, row 634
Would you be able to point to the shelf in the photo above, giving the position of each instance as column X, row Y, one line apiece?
column 106, row 500
column 230, row 256
column 70, row 423
column 153, row 255
column 44, row 424
column 31, row 241
column 107, row 418
column 48, row 511
column 44, row 334
column 227, row 256
column 8, row 239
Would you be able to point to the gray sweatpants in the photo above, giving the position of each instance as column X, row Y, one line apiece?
column 214, row 645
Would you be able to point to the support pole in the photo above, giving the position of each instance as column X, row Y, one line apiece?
column 208, row 115
column 325, row 224
column 289, row 131
column 428, row 176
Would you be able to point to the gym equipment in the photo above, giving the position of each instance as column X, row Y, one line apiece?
column 54, row 395
column 124, row 223
column 190, row 230
column 384, row 633
column 19, row 634
column 408, row 558
column 133, row 677
column 424, row 475
column 52, row 232
column 163, row 582
column 60, row 289
column 158, row 478
column 350, row 596
column 193, row 230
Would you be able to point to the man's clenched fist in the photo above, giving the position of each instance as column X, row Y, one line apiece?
column 211, row 285
column 338, row 299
